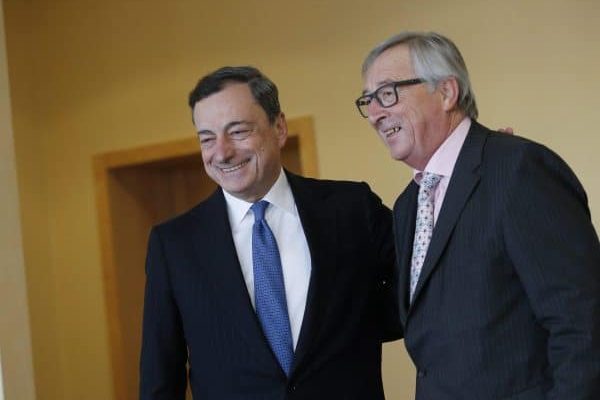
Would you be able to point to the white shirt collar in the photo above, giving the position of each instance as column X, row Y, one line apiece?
column 280, row 195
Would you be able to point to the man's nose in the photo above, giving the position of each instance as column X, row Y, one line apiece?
column 375, row 112
column 224, row 148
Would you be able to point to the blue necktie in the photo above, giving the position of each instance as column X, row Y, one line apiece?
column 269, row 290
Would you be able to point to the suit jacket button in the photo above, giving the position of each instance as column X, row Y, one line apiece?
column 421, row 373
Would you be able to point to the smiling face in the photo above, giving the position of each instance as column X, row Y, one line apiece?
column 241, row 149
column 419, row 122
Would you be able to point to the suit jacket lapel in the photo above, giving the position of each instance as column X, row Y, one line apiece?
column 404, row 232
column 318, row 221
column 462, row 183
column 216, row 250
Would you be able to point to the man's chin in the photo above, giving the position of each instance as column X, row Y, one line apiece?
column 398, row 156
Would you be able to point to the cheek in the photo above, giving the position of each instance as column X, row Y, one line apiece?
column 405, row 113
column 262, row 150
column 413, row 119
column 258, row 154
column 206, row 157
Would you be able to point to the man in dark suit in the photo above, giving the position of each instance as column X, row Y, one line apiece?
column 311, row 326
column 498, row 262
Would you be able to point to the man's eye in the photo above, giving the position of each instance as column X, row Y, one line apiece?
column 239, row 133
column 387, row 93
column 206, row 140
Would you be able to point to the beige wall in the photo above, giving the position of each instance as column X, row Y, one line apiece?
column 16, row 370
column 88, row 76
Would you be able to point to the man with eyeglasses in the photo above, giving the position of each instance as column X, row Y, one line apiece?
column 274, row 287
column 498, row 263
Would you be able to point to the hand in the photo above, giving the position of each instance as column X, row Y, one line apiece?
column 507, row 130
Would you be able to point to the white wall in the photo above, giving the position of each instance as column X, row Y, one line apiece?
column 1, row 386
column 16, row 372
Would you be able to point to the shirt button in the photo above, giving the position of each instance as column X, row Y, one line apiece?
column 421, row 374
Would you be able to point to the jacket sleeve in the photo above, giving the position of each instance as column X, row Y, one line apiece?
column 164, row 351
column 380, row 226
column 555, row 250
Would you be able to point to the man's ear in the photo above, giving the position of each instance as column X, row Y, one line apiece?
column 281, row 129
column 449, row 90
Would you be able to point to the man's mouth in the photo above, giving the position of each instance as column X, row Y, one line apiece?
column 390, row 131
column 233, row 168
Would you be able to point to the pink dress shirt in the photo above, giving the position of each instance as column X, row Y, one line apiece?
column 442, row 163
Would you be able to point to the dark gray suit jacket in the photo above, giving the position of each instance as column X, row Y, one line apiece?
column 508, row 302
column 197, row 307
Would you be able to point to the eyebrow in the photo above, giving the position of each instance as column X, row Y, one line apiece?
column 227, row 127
column 379, row 84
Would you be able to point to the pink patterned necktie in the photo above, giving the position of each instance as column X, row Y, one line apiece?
column 423, row 228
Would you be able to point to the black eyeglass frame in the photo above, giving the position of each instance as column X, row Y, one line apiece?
column 374, row 95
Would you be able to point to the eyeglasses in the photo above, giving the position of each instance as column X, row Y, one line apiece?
column 386, row 95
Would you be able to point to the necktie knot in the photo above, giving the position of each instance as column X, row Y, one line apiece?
column 259, row 209
column 430, row 180
column 427, row 186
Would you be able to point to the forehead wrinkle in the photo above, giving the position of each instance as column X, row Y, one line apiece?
column 394, row 64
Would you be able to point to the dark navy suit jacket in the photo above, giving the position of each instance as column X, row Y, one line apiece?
column 197, row 308
column 508, row 302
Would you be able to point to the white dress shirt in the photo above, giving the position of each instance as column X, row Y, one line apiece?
column 283, row 219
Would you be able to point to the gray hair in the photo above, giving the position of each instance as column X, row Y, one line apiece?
column 434, row 58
